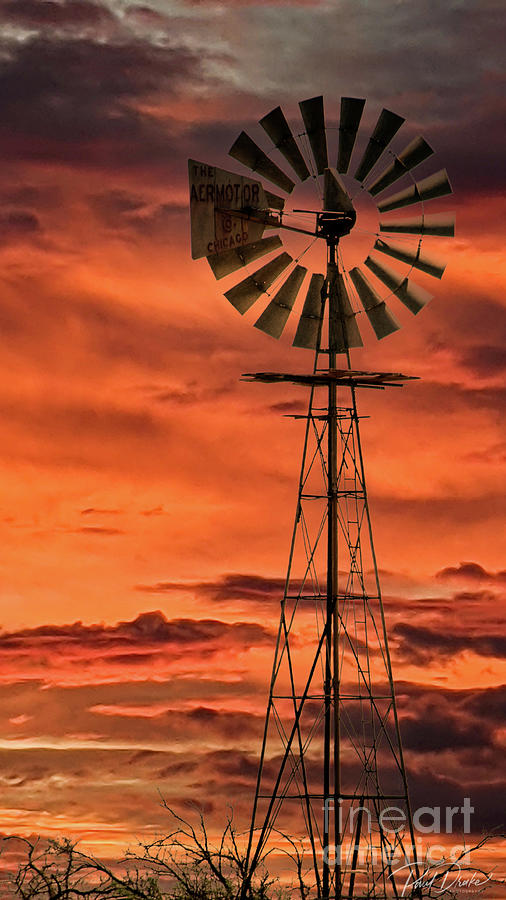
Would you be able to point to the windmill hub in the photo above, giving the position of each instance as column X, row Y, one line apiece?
column 335, row 225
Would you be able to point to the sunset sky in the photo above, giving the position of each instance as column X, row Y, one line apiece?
column 146, row 494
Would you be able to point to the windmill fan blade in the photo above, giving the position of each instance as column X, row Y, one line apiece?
column 314, row 121
column 250, row 154
column 343, row 328
column 351, row 114
column 436, row 185
column 416, row 259
column 386, row 127
column 334, row 194
column 310, row 320
column 438, row 225
column 275, row 316
column 278, row 129
column 412, row 295
column 381, row 319
column 273, row 201
column 244, row 294
column 412, row 155
column 224, row 263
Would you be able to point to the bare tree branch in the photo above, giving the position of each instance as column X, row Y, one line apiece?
column 186, row 864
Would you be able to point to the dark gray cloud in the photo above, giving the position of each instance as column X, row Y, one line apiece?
column 477, row 334
column 19, row 225
column 470, row 571
column 40, row 197
column 79, row 100
column 465, row 722
column 411, row 60
column 111, row 207
column 145, row 15
column 92, row 511
column 90, row 421
column 127, row 212
column 47, row 13
column 485, row 359
column 77, row 91
column 149, row 628
column 489, row 704
column 289, row 407
column 228, row 587
column 154, row 511
column 191, row 728
column 441, row 729
column 429, row 788
column 482, row 700
column 421, row 645
column 98, row 530
column 256, row 590
column 443, row 510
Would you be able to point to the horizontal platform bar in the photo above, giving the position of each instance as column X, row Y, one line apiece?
column 347, row 493
column 341, row 596
column 349, row 377
column 330, row 796
column 300, row 416
column 322, row 697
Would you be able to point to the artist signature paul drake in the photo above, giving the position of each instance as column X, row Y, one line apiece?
column 437, row 879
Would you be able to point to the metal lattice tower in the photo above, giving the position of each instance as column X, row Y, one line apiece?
column 331, row 774
column 331, row 748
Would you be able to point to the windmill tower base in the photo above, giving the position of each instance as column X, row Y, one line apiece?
column 331, row 775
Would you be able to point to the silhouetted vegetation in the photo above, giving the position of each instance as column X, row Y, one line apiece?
column 183, row 865
column 186, row 865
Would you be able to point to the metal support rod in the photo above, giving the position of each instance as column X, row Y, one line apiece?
column 332, row 668
column 356, row 847
column 327, row 688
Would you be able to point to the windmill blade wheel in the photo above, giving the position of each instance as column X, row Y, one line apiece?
column 237, row 220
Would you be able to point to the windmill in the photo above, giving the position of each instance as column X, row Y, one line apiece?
column 331, row 767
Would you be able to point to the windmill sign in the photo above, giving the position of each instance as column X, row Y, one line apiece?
column 214, row 196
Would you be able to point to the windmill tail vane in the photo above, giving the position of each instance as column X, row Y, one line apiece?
column 331, row 771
